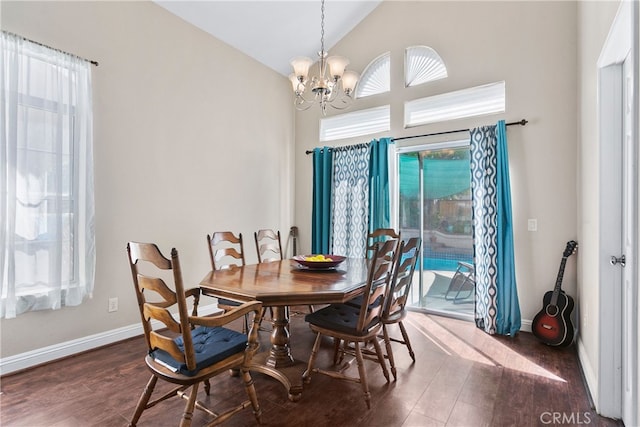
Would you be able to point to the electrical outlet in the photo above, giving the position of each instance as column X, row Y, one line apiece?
column 532, row 225
column 113, row 304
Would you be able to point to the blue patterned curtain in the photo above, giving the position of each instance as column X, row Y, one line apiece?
column 321, row 213
column 350, row 200
column 379, row 206
column 497, row 308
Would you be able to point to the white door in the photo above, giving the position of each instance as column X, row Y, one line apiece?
column 629, row 233
column 617, row 394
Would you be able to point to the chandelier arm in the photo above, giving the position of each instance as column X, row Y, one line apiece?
column 341, row 100
column 302, row 106
column 301, row 99
column 343, row 106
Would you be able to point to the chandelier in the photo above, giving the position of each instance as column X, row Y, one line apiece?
column 334, row 89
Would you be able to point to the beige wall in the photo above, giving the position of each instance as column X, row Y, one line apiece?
column 531, row 46
column 191, row 136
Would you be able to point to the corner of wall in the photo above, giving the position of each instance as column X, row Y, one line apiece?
column 588, row 373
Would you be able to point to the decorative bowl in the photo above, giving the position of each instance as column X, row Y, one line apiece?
column 304, row 261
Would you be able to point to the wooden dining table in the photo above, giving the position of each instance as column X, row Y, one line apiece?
column 279, row 285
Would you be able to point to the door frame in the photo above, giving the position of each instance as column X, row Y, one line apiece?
column 622, row 42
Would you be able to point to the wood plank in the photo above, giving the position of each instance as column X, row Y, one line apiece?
column 443, row 387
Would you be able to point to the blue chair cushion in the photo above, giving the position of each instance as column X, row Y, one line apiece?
column 357, row 301
column 210, row 346
column 223, row 301
column 339, row 317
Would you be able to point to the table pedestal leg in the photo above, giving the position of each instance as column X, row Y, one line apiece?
column 278, row 362
column 280, row 353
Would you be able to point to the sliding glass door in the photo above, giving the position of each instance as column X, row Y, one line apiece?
column 434, row 201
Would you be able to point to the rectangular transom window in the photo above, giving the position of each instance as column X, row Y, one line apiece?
column 357, row 123
column 475, row 101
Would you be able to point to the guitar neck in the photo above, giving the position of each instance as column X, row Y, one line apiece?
column 558, row 287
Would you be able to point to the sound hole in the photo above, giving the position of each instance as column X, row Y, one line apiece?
column 552, row 310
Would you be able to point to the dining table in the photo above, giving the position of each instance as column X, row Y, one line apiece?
column 280, row 285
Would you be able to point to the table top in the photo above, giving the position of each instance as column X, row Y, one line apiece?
column 285, row 282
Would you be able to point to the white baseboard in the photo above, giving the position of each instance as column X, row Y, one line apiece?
column 525, row 325
column 69, row 348
column 589, row 375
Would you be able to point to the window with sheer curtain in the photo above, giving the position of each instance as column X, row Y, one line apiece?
column 47, row 249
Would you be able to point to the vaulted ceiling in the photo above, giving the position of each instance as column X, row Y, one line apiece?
column 273, row 32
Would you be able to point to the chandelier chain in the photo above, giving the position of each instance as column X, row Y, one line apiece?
column 322, row 26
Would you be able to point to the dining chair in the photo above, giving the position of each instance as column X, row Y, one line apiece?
column 187, row 350
column 394, row 311
column 268, row 245
column 269, row 248
column 380, row 235
column 226, row 250
column 357, row 325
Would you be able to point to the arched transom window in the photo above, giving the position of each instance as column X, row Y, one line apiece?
column 422, row 64
column 376, row 78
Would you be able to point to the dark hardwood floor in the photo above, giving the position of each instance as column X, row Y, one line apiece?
column 462, row 377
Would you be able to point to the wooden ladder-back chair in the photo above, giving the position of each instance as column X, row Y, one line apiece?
column 192, row 349
column 395, row 304
column 380, row 235
column 357, row 325
column 268, row 248
column 268, row 245
column 226, row 250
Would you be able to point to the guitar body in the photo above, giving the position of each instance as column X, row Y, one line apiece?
column 552, row 325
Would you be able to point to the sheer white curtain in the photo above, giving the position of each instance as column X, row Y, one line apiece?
column 47, row 248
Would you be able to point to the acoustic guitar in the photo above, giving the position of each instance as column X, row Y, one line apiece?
column 553, row 324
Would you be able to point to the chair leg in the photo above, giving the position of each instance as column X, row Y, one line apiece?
column 253, row 397
column 383, row 364
column 363, row 374
column 306, row 376
column 405, row 337
column 245, row 325
column 262, row 314
column 207, row 387
column 336, row 350
column 187, row 415
column 144, row 399
column 387, row 344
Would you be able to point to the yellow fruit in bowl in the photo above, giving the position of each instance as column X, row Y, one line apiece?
column 318, row 258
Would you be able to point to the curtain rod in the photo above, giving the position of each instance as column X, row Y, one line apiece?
column 49, row 47
column 521, row 123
